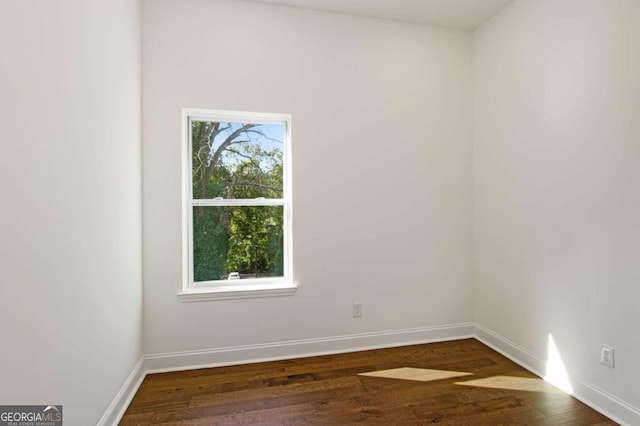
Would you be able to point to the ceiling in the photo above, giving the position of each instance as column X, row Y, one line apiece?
column 459, row 14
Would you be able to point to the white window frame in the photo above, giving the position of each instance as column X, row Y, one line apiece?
column 233, row 289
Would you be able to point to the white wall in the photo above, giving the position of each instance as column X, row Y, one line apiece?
column 381, row 164
column 70, row 221
column 382, row 171
column 556, row 172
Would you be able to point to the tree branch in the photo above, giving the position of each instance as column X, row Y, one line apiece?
column 216, row 156
column 238, row 153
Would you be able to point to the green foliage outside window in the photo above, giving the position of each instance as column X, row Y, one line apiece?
column 237, row 161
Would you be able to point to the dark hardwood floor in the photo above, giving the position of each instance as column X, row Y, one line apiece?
column 473, row 385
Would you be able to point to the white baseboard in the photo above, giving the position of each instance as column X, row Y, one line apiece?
column 189, row 360
column 119, row 405
column 303, row 348
column 511, row 350
column 598, row 399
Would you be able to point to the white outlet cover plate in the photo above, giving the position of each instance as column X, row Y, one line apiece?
column 607, row 356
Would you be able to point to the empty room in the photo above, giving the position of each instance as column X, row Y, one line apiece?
column 320, row 212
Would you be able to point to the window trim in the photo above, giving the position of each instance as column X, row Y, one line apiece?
column 234, row 289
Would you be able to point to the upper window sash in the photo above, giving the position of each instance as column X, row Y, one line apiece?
column 231, row 137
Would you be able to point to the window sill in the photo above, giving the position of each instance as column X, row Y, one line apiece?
column 238, row 291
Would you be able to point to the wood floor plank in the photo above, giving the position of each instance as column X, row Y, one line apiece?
column 331, row 390
column 248, row 395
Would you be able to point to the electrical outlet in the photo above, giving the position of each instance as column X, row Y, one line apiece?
column 357, row 309
column 606, row 356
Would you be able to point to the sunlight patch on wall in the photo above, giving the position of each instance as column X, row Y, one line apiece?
column 556, row 372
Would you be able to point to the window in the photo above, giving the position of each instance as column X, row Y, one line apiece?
column 237, row 208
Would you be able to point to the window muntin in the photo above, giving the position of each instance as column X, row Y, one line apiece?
column 237, row 207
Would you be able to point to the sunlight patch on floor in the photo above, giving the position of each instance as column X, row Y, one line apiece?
column 416, row 374
column 513, row 383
